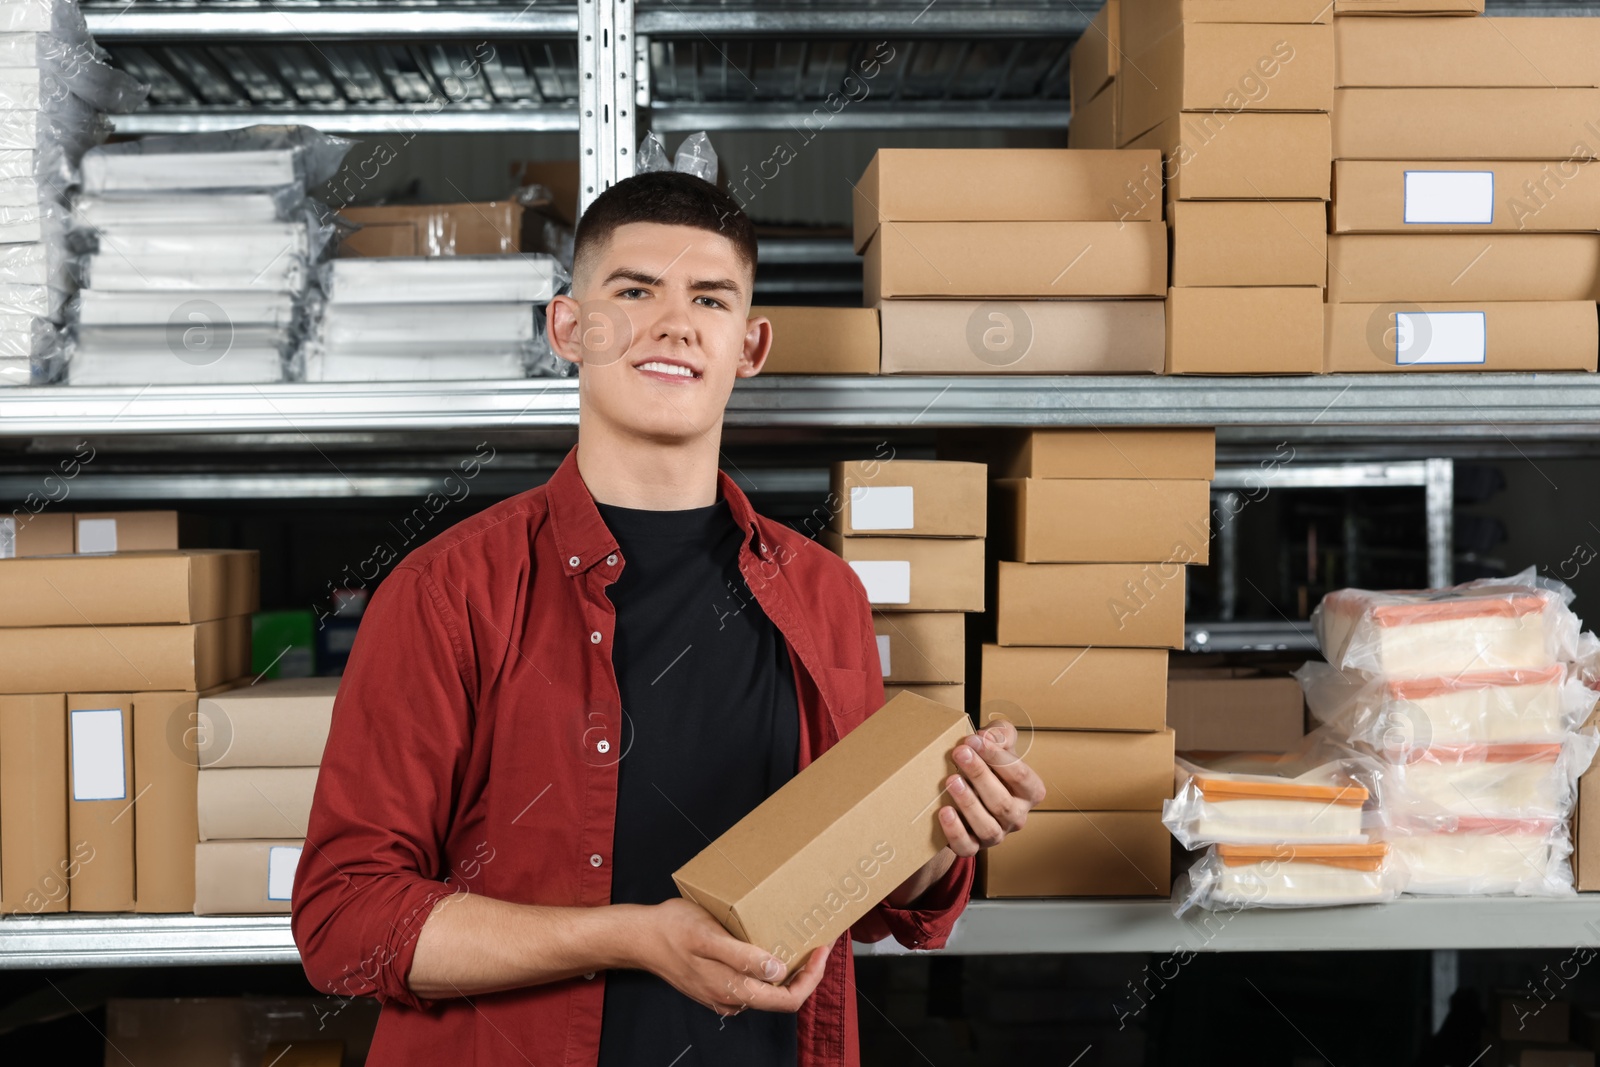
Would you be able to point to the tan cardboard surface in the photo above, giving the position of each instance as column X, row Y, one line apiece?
column 1120, row 605
column 280, row 722
column 909, row 498
column 1244, row 331
column 102, row 829
column 1097, row 55
column 482, row 229
column 922, row 647
column 1081, row 854
column 230, row 877
column 1380, row 268
column 834, row 840
column 1023, row 336
column 35, row 860
column 1094, row 123
column 48, row 533
column 1585, row 832
column 1016, row 259
column 1075, row 688
column 1400, row 196
column 193, row 585
column 1542, row 336
column 1100, row 770
column 951, row 696
column 808, row 340
column 134, row 531
column 1466, row 124
column 942, row 573
column 1248, row 155
column 1159, row 452
column 254, row 802
column 1150, row 20
column 1250, row 242
column 131, row 658
column 1214, row 711
column 1091, row 520
column 1449, row 53
column 904, row 185
column 1408, row 7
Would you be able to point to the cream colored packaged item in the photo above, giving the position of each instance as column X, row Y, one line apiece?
column 1513, row 623
column 1485, row 857
column 1323, row 805
column 1231, row 877
column 1488, row 781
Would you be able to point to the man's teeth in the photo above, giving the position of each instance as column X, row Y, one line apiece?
column 668, row 368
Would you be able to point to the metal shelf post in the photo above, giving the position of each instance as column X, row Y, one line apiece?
column 606, row 96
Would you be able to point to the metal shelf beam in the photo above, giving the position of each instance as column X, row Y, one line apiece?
column 899, row 20
column 901, row 115
column 174, row 22
column 449, row 119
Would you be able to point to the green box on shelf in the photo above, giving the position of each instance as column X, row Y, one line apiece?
column 282, row 644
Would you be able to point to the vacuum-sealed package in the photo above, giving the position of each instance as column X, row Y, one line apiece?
column 111, row 270
column 1478, row 856
column 466, row 280
column 1491, row 624
column 463, row 325
column 1497, row 781
column 1231, row 877
column 203, row 351
column 1321, row 805
column 258, row 244
column 398, row 365
column 185, row 307
column 255, row 158
column 186, row 209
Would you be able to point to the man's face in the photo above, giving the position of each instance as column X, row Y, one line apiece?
column 658, row 324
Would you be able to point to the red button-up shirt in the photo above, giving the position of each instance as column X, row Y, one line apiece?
column 474, row 747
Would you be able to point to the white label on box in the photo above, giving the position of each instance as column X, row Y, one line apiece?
column 888, row 581
column 98, row 770
column 1440, row 337
column 881, row 507
column 1461, row 197
column 281, row 862
column 883, row 653
column 97, row 535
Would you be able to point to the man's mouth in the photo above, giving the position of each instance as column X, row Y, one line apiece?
column 675, row 370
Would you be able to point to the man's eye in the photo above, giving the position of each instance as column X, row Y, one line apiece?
column 631, row 294
column 711, row 301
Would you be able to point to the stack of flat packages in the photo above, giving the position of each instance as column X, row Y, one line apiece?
column 260, row 749
column 1466, row 698
column 1466, row 194
column 1014, row 261
column 1092, row 74
column 103, row 658
column 204, row 245
column 54, row 84
column 913, row 531
column 433, row 318
column 1093, row 530
column 1235, row 96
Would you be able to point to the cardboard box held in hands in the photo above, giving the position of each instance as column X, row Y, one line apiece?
column 823, row 850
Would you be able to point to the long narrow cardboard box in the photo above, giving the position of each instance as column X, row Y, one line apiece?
column 808, row 340
column 1096, row 56
column 43, row 533
column 915, row 573
column 1234, row 711
column 1503, row 267
column 921, row 648
column 36, row 862
column 124, row 658
column 951, row 696
column 1092, row 452
column 1075, row 688
column 908, row 498
column 191, row 586
column 1249, row 242
column 1454, row 337
column 1447, row 53
column 1083, row 336
column 100, row 800
column 1419, row 196
column 1244, row 331
column 1041, row 520
column 1100, row 770
column 245, row 877
column 1245, row 155
column 1123, row 605
column 1408, row 7
column 283, row 722
column 1081, row 854
column 1150, row 20
column 1538, row 124
column 254, row 802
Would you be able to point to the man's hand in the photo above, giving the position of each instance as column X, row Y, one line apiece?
column 993, row 793
column 686, row 947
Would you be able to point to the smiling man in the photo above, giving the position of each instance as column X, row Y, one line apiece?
column 556, row 703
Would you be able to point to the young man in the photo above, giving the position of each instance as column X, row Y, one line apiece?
column 554, row 704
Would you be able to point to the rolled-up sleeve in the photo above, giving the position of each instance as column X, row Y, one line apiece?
column 373, row 865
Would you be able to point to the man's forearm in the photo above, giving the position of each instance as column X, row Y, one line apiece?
column 906, row 893
column 473, row 944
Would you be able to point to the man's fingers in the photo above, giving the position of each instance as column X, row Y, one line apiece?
column 994, row 794
column 750, row 961
column 983, row 823
column 1015, row 777
column 956, row 833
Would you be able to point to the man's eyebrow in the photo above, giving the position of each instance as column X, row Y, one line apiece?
column 709, row 285
column 700, row 285
column 632, row 274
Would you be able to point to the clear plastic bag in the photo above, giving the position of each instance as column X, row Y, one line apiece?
column 652, row 154
column 441, row 280
column 1322, row 805
column 387, row 364
column 1474, row 856
column 451, row 327
column 255, row 158
column 696, row 156
column 1516, row 623
column 115, row 270
column 98, row 307
column 38, row 263
column 186, row 209
column 1502, row 781
column 180, row 353
column 1233, row 877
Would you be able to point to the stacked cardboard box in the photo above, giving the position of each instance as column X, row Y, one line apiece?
column 819, row 340
column 259, row 752
column 102, row 662
column 1092, row 530
column 1014, row 261
column 913, row 531
column 1234, row 709
column 1235, row 96
column 1092, row 80
column 1466, row 199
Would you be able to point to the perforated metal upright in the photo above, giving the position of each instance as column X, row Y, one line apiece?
column 606, row 96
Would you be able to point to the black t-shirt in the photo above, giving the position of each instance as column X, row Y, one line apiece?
column 711, row 728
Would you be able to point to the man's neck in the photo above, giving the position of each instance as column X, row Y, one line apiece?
column 648, row 475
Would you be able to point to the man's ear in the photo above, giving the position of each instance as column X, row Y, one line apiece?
column 562, row 327
column 757, row 343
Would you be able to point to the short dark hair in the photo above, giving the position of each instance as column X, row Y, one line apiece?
column 670, row 199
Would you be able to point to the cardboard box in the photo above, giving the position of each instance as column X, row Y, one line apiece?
column 1383, row 196
column 1017, row 185
column 1227, row 66
column 909, row 498
column 821, row 340
column 915, row 573
column 1090, row 520
column 1249, row 242
column 1482, row 52
column 235, row 1031
column 1100, row 770
column 194, row 585
column 36, row 862
column 1518, row 1054
column 281, row 723
column 835, row 839
column 1015, row 259
column 1093, row 124
column 1093, row 452
column 1461, row 336
column 1075, row 688
column 254, row 802
column 1407, row 7
column 100, row 800
column 951, row 696
column 1234, row 711
column 1120, row 605
column 482, row 229
column 1585, row 827
column 304, row 1054
column 48, row 533
column 1097, row 55
column 245, row 877
column 1381, row 268
column 1150, row 20
column 1533, row 1019
column 1023, row 336
column 131, row 531
column 1081, row 854
column 1246, row 155
column 1535, row 124
column 921, row 647
column 124, row 658
column 560, row 176
column 1244, row 331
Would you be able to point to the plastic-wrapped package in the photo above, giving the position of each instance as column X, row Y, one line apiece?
column 1484, row 857
column 44, row 301
column 255, row 158
column 257, row 244
column 72, row 123
column 1321, row 805
column 99, row 307
column 1502, row 781
column 111, row 270
column 1232, row 877
column 459, row 326
column 696, row 156
column 462, row 280
column 243, row 365
column 98, row 212
column 652, row 154
column 389, row 364
column 1492, row 624
column 71, row 64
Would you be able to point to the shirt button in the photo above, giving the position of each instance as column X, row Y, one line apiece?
column 611, row 560
column 589, row 974
column 594, row 860
column 594, row 638
column 604, row 746
column 574, row 561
